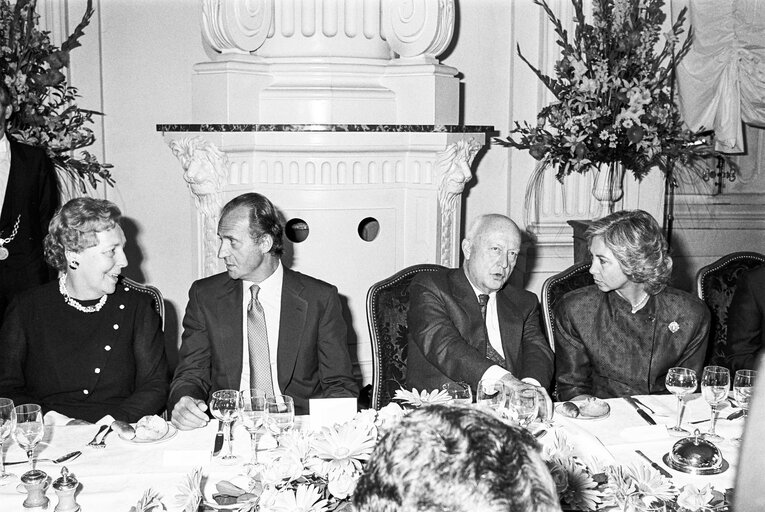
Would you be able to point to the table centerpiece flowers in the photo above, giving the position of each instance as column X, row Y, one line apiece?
column 614, row 106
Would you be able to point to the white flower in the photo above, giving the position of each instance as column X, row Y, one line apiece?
column 306, row 498
column 341, row 485
column 283, row 468
column 693, row 498
column 417, row 399
column 389, row 415
column 345, row 447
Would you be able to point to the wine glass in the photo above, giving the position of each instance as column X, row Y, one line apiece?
column 223, row 406
column 459, row 391
column 680, row 382
column 280, row 414
column 523, row 405
column 7, row 422
column 29, row 429
column 715, row 382
column 742, row 390
column 491, row 394
column 252, row 412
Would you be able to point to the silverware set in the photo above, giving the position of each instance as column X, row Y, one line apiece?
column 95, row 443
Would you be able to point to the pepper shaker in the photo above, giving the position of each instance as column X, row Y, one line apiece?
column 36, row 483
column 65, row 487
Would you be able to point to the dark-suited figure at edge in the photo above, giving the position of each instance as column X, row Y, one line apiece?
column 449, row 340
column 28, row 200
column 746, row 321
column 229, row 314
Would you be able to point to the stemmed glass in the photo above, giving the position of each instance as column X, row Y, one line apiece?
column 491, row 394
column 7, row 422
column 523, row 405
column 252, row 412
column 459, row 391
column 680, row 382
column 29, row 429
column 743, row 383
column 280, row 414
column 715, row 382
column 223, row 406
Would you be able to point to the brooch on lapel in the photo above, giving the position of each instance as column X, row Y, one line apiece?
column 673, row 327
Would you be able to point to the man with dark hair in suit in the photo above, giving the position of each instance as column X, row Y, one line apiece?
column 258, row 325
column 28, row 201
column 746, row 321
column 466, row 324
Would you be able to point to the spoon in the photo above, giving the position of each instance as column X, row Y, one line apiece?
column 65, row 458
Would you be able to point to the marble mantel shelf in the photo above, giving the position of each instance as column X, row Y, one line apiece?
column 390, row 128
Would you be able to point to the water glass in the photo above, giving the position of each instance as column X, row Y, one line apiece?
column 7, row 422
column 680, row 382
column 223, row 406
column 715, row 382
column 280, row 414
column 523, row 405
column 459, row 391
column 491, row 394
column 252, row 413
column 743, row 384
column 28, row 430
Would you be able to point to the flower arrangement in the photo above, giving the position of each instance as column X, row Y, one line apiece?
column 416, row 399
column 614, row 94
column 45, row 112
column 581, row 487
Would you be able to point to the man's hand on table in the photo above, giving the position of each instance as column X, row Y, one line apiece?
column 189, row 413
column 545, row 403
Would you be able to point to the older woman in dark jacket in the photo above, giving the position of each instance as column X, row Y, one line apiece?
column 85, row 345
column 620, row 336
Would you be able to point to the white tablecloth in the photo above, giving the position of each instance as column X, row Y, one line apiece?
column 115, row 478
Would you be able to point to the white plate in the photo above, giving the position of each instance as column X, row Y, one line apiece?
column 578, row 403
column 171, row 432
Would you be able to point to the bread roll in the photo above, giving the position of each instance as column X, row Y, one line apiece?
column 150, row 428
column 594, row 407
column 569, row 409
column 124, row 430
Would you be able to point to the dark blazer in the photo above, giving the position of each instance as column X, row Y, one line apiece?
column 32, row 193
column 312, row 355
column 605, row 350
column 447, row 340
column 746, row 321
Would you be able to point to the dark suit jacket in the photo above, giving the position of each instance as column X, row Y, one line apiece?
column 447, row 340
column 312, row 357
column 746, row 321
column 32, row 193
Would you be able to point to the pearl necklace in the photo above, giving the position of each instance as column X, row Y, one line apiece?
column 637, row 307
column 73, row 302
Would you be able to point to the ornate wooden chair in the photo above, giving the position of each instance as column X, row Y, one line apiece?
column 715, row 285
column 576, row 276
column 387, row 307
column 152, row 291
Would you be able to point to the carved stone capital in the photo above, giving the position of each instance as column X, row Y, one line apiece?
column 418, row 28
column 205, row 170
column 236, row 26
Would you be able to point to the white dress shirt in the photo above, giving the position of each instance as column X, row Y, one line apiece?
column 5, row 168
column 270, row 297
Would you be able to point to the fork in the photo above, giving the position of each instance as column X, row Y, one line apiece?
column 102, row 443
column 94, row 442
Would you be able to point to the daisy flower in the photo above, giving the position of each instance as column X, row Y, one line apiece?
column 418, row 399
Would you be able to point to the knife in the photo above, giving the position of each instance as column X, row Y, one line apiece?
column 218, row 439
column 640, row 411
column 654, row 465
column 644, row 406
column 734, row 415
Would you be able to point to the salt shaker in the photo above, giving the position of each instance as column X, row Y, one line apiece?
column 36, row 483
column 65, row 487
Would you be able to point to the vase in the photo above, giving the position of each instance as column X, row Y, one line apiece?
column 607, row 184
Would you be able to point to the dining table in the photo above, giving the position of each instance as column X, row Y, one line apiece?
column 115, row 477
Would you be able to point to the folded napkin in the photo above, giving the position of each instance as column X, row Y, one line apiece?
column 56, row 419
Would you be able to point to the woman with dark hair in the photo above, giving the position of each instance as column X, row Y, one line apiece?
column 619, row 336
column 85, row 345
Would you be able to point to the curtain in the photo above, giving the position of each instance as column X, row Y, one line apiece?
column 721, row 82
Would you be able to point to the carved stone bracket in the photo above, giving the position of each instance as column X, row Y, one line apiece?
column 236, row 26
column 205, row 169
column 453, row 171
column 415, row 28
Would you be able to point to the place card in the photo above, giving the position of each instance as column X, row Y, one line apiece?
column 326, row 412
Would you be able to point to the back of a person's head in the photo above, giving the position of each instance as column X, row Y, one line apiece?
column 455, row 459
